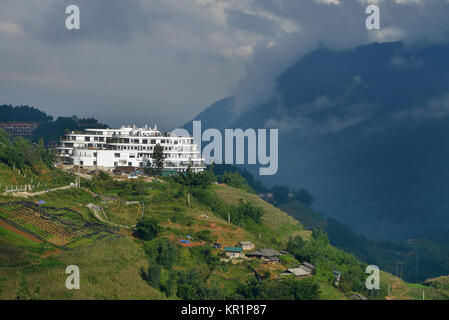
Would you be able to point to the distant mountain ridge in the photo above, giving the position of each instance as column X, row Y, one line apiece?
column 50, row 130
column 22, row 113
column 365, row 130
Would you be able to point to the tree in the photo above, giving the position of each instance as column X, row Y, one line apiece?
column 147, row 229
column 246, row 212
column 169, row 287
column 234, row 179
column 192, row 179
column 320, row 236
column 295, row 245
column 25, row 292
column 190, row 284
column 305, row 289
column 1, row 280
column 281, row 194
column 154, row 275
column 158, row 158
column 167, row 253
column 304, row 196
column 19, row 153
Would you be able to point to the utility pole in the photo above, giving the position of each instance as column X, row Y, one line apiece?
column 188, row 192
column 78, row 178
column 402, row 268
column 416, row 266
column 229, row 217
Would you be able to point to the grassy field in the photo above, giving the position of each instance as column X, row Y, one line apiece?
column 109, row 269
column 276, row 222
column 14, row 239
column 122, row 213
column 401, row 290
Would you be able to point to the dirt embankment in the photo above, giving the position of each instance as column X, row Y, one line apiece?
column 19, row 232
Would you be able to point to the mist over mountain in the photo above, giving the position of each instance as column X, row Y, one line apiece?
column 365, row 130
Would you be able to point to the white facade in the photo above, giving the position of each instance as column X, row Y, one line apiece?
column 128, row 146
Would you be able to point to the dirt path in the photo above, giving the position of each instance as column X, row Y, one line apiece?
column 18, row 231
column 101, row 215
column 398, row 291
column 32, row 194
column 51, row 253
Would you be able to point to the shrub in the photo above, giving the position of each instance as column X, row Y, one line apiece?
column 206, row 235
column 147, row 229
column 25, row 292
column 154, row 275
column 167, row 253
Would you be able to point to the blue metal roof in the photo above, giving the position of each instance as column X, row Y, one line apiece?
column 233, row 249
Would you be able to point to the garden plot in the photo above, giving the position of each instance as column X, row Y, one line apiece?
column 58, row 226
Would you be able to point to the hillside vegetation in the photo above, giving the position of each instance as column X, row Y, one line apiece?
column 137, row 254
column 25, row 163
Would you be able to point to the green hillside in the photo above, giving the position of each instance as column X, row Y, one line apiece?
column 129, row 247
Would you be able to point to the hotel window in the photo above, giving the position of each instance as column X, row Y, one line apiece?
column 116, row 155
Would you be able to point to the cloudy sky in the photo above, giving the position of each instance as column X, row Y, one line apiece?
column 164, row 61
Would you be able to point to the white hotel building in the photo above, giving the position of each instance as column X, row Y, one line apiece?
column 128, row 146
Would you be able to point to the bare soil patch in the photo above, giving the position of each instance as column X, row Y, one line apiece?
column 19, row 232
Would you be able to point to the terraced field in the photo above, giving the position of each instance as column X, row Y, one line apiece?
column 58, row 226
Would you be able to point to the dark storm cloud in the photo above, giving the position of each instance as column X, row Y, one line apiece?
column 336, row 24
column 102, row 21
column 163, row 61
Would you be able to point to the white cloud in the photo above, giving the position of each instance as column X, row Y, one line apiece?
column 387, row 34
column 334, row 2
column 436, row 108
column 404, row 62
